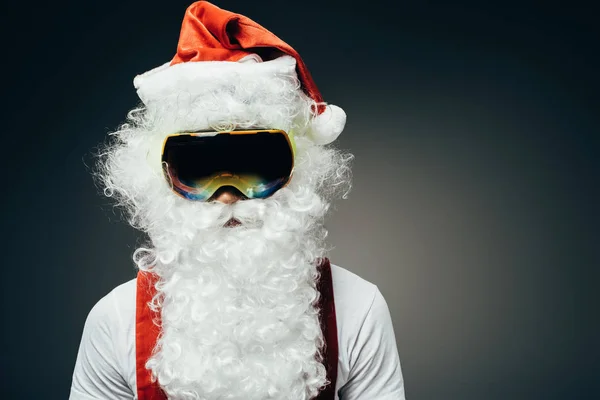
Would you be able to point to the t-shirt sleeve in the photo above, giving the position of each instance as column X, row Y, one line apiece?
column 97, row 372
column 375, row 371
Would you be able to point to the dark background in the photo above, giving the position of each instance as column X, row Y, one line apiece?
column 474, row 208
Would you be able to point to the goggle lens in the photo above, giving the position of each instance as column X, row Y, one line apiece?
column 256, row 162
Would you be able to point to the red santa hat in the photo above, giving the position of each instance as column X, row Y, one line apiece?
column 216, row 41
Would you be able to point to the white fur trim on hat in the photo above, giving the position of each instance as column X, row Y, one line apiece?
column 222, row 94
column 196, row 95
column 165, row 81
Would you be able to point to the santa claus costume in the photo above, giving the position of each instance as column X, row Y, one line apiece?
column 233, row 300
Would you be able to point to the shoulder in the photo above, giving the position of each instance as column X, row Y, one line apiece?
column 101, row 369
column 115, row 305
column 369, row 364
column 115, row 302
column 354, row 297
column 358, row 302
column 353, row 294
column 124, row 294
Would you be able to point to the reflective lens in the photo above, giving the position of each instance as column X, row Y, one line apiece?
column 256, row 162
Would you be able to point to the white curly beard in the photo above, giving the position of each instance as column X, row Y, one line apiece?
column 238, row 304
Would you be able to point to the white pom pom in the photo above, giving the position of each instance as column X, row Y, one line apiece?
column 328, row 125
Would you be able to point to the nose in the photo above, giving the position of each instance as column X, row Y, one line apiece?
column 227, row 195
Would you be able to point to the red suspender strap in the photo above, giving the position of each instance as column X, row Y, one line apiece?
column 147, row 331
column 146, row 334
column 329, row 328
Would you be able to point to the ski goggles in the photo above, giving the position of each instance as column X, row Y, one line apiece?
column 256, row 162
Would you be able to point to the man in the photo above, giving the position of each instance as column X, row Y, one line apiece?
column 226, row 168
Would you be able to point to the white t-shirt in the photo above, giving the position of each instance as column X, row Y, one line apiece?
column 368, row 363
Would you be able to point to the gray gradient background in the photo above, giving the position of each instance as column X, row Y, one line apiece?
column 474, row 206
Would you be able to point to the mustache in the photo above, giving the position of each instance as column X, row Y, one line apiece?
column 248, row 213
